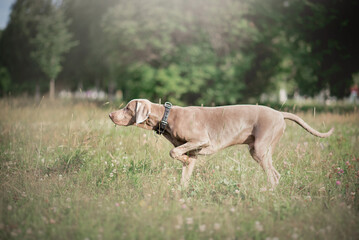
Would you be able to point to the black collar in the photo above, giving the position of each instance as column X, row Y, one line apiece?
column 160, row 129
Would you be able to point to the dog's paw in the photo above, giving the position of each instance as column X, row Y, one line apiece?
column 185, row 160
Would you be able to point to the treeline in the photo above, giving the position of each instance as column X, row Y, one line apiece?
column 198, row 51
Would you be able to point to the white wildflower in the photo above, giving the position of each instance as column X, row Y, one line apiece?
column 308, row 198
column 258, row 226
column 217, row 226
column 189, row 221
column 295, row 236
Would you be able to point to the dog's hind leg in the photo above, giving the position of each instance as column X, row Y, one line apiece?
column 262, row 149
column 264, row 158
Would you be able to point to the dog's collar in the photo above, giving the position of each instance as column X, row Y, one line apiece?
column 160, row 129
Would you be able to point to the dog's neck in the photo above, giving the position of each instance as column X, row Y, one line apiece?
column 155, row 117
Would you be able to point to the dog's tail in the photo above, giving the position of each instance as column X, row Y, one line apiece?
column 305, row 125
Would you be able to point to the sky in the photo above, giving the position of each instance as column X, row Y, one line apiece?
column 5, row 6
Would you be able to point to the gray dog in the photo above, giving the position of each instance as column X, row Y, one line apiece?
column 205, row 130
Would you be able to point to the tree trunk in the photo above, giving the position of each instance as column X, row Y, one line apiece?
column 52, row 89
column 111, row 89
column 37, row 92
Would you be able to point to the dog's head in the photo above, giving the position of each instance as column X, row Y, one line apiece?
column 135, row 112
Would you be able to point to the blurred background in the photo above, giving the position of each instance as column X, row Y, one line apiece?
column 207, row 52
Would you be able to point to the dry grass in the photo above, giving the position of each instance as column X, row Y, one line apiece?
column 68, row 173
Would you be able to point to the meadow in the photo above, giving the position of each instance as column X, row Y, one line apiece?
column 67, row 173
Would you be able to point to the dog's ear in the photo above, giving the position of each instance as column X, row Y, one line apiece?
column 142, row 111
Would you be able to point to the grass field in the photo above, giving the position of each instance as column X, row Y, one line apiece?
column 68, row 173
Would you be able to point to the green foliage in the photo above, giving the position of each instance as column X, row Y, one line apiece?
column 192, row 52
column 5, row 80
column 51, row 42
column 15, row 44
column 186, row 59
column 356, row 78
column 323, row 33
column 151, row 83
column 90, row 55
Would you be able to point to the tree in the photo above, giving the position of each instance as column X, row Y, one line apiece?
column 15, row 44
column 193, row 52
column 316, row 37
column 89, row 55
column 329, row 28
column 5, row 81
column 51, row 42
column 188, row 51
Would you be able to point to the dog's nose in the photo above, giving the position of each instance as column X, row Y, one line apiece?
column 110, row 115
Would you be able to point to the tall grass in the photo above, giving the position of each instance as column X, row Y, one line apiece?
column 68, row 173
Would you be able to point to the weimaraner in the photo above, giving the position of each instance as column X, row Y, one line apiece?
column 205, row 130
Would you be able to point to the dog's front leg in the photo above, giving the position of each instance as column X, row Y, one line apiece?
column 179, row 152
column 187, row 170
column 188, row 161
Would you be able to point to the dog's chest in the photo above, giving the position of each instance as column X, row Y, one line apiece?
column 173, row 137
